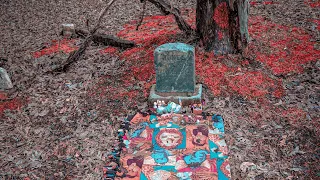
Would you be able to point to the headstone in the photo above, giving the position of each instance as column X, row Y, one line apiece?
column 175, row 68
column 175, row 75
column 68, row 30
column 5, row 82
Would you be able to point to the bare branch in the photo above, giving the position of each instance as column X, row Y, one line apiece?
column 166, row 8
column 75, row 55
column 142, row 15
column 102, row 14
column 90, row 36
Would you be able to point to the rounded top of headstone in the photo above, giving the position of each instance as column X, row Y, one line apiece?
column 5, row 82
column 174, row 47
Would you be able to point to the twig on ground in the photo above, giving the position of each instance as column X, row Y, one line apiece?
column 107, row 40
column 102, row 14
column 77, row 54
column 142, row 14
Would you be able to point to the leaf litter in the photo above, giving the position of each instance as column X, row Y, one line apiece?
column 62, row 126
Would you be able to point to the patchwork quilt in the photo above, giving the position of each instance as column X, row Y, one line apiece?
column 170, row 146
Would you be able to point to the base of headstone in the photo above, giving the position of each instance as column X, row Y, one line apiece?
column 186, row 98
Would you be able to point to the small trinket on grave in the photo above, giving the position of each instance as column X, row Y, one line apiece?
column 112, row 165
column 173, row 107
column 161, row 107
column 203, row 101
column 68, row 30
column 155, row 105
column 120, row 132
column 197, row 109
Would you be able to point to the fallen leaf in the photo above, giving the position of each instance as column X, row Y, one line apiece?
column 246, row 165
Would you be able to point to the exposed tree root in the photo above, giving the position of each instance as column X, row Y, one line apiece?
column 167, row 9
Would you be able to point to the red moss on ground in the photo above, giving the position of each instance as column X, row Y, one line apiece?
column 221, row 15
column 158, row 30
column 296, row 116
column 211, row 72
column 312, row 3
column 9, row 104
column 110, row 50
column 3, row 96
column 252, row 84
column 293, row 114
column 65, row 45
column 316, row 22
column 290, row 46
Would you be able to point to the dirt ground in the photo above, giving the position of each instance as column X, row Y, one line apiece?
column 61, row 126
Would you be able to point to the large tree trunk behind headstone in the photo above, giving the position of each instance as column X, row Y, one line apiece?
column 223, row 25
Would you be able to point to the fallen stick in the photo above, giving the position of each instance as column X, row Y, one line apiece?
column 107, row 40
column 74, row 56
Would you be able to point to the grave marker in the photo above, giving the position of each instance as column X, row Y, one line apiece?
column 175, row 68
column 5, row 82
column 175, row 74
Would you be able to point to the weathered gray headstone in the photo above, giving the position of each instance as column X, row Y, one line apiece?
column 175, row 75
column 68, row 30
column 5, row 82
column 175, row 68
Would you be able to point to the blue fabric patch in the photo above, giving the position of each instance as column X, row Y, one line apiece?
column 143, row 176
column 165, row 168
column 221, row 175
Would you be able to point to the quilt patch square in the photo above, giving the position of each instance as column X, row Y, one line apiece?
column 169, row 138
column 160, row 157
column 157, row 172
column 171, row 146
column 197, row 137
column 218, row 146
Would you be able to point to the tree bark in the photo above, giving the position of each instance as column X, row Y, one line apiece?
column 222, row 25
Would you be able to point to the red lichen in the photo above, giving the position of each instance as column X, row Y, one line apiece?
column 252, row 84
column 315, row 21
column 221, row 15
column 64, row 45
column 110, row 50
column 312, row 3
column 3, row 95
column 211, row 72
column 220, row 35
column 12, row 104
column 253, row 3
column 293, row 115
column 290, row 46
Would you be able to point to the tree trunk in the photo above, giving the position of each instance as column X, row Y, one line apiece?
column 223, row 25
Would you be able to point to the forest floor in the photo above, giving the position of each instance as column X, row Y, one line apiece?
column 61, row 126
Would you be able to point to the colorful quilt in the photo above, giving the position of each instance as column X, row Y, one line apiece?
column 170, row 146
